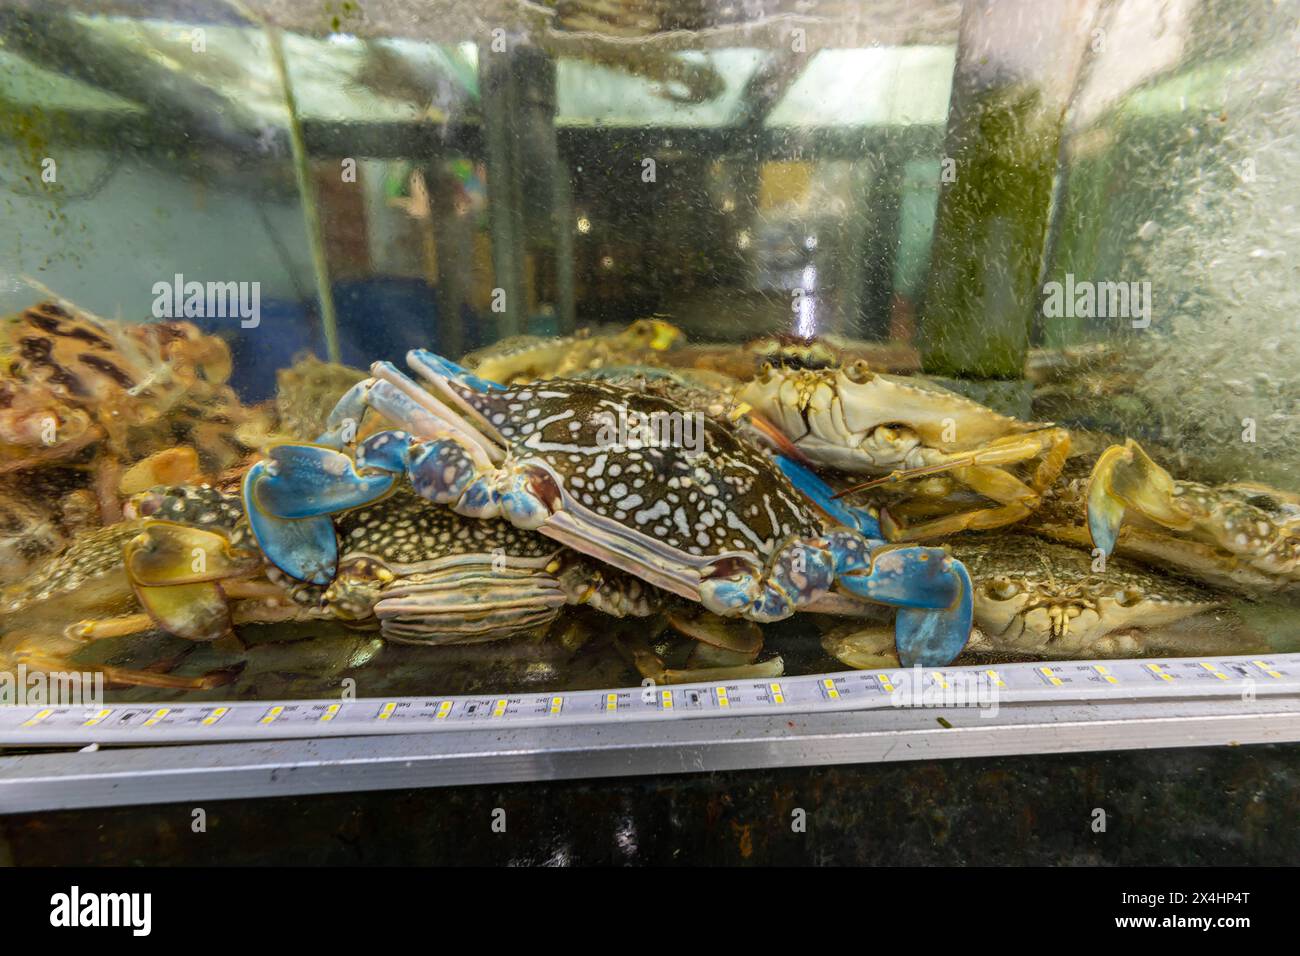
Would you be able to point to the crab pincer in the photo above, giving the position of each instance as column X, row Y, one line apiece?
column 1123, row 479
column 289, row 499
column 176, row 572
column 931, row 589
column 1235, row 535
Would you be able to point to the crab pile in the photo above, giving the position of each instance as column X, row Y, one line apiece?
column 446, row 506
column 92, row 409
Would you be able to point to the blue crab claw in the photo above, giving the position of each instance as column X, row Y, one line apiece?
column 388, row 451
column 935, row 638
column 1125, row 477
column 305, row 548
column 1105, row 510
column 822, row 495
column 310, row 481
column 436, row 365
column 932, row 590
column 1105, row 517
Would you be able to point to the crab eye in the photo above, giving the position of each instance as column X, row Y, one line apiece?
column 146, row 504
column 1002, row 589
column 1130, row 596
column 859, row 372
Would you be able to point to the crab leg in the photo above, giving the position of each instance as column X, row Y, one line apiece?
column 346, row 413
column 1003, row 451
column 175, row 571
column 120, row 675
column 981, row 471
column 96, row 629
column 1020, row 501
column 444, row 453
column 815, row 490
column 399, row 398
column 1008, row 450
column 290, row 497
column 438, row 369
column 932, row 590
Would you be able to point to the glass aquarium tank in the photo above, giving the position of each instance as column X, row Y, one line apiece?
column 361, row 350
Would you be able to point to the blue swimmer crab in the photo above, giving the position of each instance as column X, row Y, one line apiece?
column 712, row 519
column 1037, row 599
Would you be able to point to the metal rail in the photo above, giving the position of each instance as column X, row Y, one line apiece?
column 208, row 772
column 1056, row 708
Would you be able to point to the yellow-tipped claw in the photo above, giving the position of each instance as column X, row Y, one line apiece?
column 166, row 553
column 196, row 612
column 171, row 466
column 175, row 568
column 1126, row 478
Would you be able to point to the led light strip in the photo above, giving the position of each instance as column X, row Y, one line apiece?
column 971, row 687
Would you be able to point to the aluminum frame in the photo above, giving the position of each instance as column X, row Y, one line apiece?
column 205, row 772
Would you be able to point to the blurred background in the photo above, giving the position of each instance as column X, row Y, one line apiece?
column 908, row 174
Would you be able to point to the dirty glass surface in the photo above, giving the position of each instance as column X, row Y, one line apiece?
column 1028, row 266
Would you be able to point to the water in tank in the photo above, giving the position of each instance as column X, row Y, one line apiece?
column 429, row 348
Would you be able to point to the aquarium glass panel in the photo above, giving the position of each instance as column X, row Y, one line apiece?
column 441, row 348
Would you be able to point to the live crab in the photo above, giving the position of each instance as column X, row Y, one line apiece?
column 1242, row 536
column 1041, row 600
column 742, row 533
column 91, row 408
column 186, row 562
column 900, row 428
